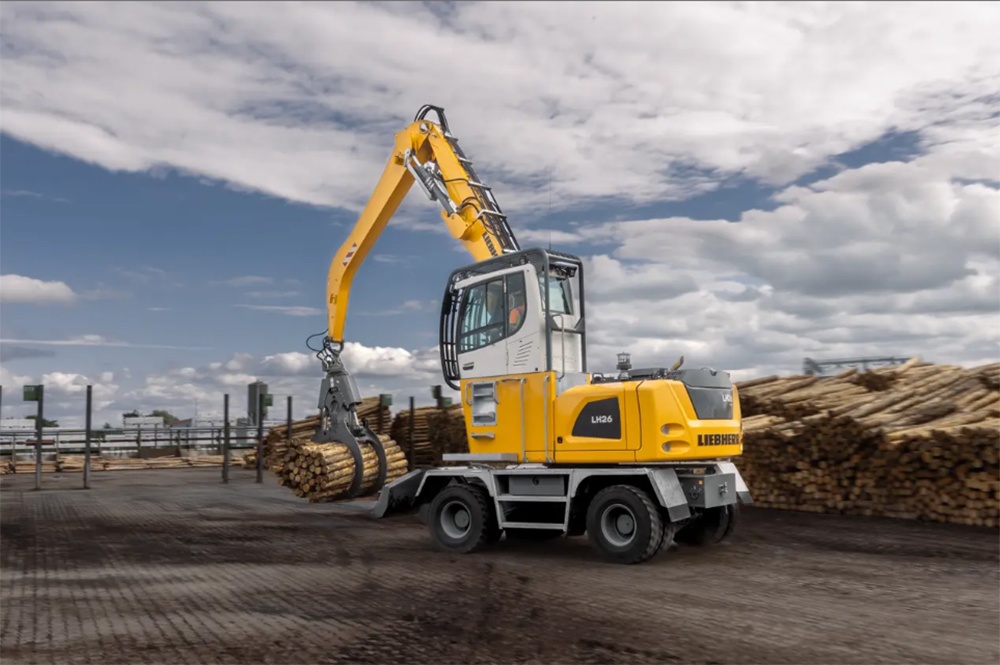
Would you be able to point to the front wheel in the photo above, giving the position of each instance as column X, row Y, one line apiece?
column 624, row 524
column 460, row 519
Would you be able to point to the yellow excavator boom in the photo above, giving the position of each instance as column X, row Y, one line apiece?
column 425, row 152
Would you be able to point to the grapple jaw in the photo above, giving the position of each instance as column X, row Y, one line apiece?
column 338, row 401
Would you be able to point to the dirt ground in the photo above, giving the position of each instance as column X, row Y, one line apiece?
column 175, row 567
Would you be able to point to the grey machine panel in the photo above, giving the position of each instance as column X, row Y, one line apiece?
column 742, row 491
column 535, row 485
column 670, row 493
column 666, row 486
column 479, row 457
column 710, row 490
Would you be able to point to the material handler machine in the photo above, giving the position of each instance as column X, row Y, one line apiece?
column 636, row 460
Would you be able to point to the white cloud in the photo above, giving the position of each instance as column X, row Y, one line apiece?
column 65, row 395
column 244, row 280
column 149, row 275
column 633, row 100
column 389, row 258
column 32, row 194
column 271, row 294
column 291, row 363
column 887, row 259
column 396, row 371
column 290, row 310
column 99, row 340
column 21, row 289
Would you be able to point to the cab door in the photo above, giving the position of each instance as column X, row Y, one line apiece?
column 482, row 330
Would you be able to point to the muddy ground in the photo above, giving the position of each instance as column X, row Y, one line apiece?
column 174, row 567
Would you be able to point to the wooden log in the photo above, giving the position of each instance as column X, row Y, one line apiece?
column 923, row 444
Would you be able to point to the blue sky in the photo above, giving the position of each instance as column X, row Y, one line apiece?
column 196, row 251
column 744, row 191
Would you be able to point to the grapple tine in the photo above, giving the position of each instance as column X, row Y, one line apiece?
column 338, row 401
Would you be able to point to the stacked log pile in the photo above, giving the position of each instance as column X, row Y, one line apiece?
column 75, row 463
column 447, row 431
column 24, row 466
column 250, row 459
column 325, row 471
column 424, row 454
column 917, row 441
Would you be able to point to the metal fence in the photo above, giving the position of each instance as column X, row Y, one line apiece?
column 143, row 442
column 124, row 442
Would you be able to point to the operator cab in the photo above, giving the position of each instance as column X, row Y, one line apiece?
column 519, row 313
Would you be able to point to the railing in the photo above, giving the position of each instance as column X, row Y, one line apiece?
column 69, row 441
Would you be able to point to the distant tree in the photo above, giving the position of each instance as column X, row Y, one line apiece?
column 168, row 418
column 131, row 414
column 107, row 426
column 45, row 421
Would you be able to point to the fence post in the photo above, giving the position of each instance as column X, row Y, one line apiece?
column 288, row 433
column 260, row 438
column 86, row 440
column 410, row 451
column 39, row 419
column 225, row 438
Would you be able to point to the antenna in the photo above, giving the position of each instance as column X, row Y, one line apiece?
column 550, row 207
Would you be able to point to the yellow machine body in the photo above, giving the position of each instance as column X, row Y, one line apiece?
column 656, row 422
column 635, row 460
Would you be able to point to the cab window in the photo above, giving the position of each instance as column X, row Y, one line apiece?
column 559, row 296
column 492, row 311
column 483, row 321
column 517, row 304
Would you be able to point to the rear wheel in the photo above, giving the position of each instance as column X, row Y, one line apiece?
column 713, row 526
column 624, row 524
column 461, row 519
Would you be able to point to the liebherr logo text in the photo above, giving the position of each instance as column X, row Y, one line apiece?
column 602, row 419
column 718, row 439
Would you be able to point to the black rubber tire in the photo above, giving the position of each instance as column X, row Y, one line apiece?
column 669, row 534
column 647, row 524
column 475, row 502
column 713, row 526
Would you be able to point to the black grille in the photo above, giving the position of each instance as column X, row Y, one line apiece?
column 448, row 335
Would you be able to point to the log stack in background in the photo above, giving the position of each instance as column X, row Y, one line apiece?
column 75, row 463
column 436, row 432
column 447, row 432
column 917, row 441
column 424, row 454
column 325, row 471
